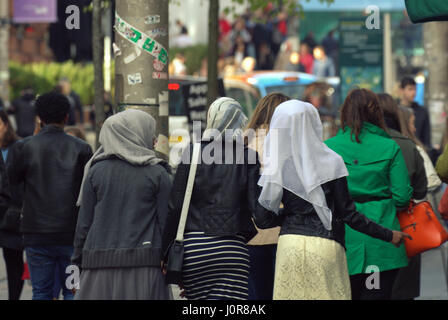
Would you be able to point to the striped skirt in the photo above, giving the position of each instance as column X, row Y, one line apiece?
column 215, row 268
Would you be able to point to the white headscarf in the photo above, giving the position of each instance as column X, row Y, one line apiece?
column 296, row 159
column 225, row 114
column 128, row 135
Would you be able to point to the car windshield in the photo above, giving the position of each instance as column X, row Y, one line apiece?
column 294, row 91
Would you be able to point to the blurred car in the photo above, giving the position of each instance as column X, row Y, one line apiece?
column 249, row 88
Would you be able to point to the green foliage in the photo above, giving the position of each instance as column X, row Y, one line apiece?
column 43, row 77
column 194, row 56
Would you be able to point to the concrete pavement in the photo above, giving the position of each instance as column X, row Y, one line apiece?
column 433, row 278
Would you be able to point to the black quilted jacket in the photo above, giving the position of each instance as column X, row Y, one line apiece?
column 224, row 195
column 300, row 218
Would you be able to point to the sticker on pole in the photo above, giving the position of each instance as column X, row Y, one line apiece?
column 134, row 79
column 141, row 40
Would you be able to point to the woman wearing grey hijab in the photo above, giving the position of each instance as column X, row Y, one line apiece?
column 216, row 260
column 123, row 208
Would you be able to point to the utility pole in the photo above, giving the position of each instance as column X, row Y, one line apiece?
column 98, row 62
column 4, row 51
column 141, row 62
column 213, row 51
column 435, row 35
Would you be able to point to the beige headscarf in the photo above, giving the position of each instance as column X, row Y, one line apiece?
column 225, row 114
column 129, row 136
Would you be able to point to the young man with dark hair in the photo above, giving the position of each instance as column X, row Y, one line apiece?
column 51, row 166
column 408, row 90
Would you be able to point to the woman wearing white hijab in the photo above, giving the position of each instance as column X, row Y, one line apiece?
column 301, row 172
column 224, row 198
column 124, row 207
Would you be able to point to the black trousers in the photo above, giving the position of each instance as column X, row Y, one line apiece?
column 360, row 291
column 14, row 270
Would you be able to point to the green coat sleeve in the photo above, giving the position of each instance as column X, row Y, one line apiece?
column 442, row 166
column 400, row 185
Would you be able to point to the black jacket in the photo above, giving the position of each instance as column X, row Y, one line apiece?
column 123, row 212
column 51, row 166
column 10, row 236
column 414, row 164
column 300, row 218
column 224, row 195
column 422, row 124
column 25, row 113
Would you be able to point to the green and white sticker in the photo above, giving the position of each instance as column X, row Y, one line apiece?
column 141, row 40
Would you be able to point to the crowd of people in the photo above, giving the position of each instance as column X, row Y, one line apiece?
column 264, row 40
column 262, row 34
column 290, row 217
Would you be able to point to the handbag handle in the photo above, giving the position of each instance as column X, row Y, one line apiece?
column 188, row 192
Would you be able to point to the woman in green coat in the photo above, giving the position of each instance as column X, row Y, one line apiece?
column 378, row 182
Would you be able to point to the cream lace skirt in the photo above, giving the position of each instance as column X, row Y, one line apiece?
column 310, row 268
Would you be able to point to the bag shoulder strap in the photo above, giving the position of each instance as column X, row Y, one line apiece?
column 188, row 191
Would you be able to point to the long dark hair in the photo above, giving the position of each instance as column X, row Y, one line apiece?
column 10, row 135
column 361, row 105
column 393, row 116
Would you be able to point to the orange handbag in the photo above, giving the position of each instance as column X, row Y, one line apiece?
column 422, row 224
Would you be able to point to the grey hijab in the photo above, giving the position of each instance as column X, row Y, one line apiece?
column 225, row 114
column 129, row 136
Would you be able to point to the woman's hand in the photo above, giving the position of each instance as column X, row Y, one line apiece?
column 398, row 238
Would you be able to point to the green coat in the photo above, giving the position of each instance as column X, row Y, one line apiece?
column 376, row 170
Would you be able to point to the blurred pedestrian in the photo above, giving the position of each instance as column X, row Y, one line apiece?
column 306, row 58
column 323, row 65
column 76, row 115
column 408, row 89
column 262, row 39
column 10, row 236
column 394, row 121
column 279, row 32
column 183, row 39
column 409, row 130
column 241, row 37
column 50, row 164
column 316, row 93
column 310, row 180
column 310, row 41
column 263, row 247
column 378, row 182
column 219, row 224
column 24, row 112
column 407, row 283
column 124, row 205
column 331, row 47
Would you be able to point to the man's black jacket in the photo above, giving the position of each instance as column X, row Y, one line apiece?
column 51, row 166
